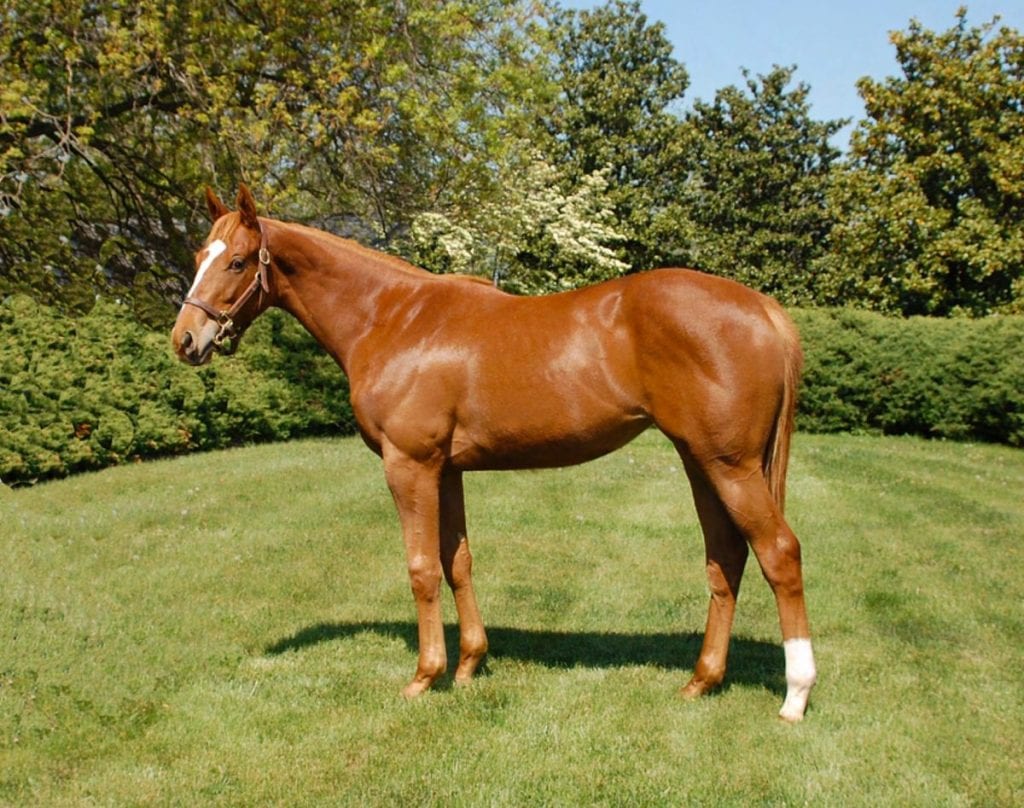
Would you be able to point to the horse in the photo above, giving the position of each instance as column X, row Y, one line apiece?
column 449, row 375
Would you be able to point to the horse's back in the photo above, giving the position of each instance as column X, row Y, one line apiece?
column 628, row 333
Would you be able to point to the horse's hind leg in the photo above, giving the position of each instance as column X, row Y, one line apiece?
column 744, row 493
column 725, row 558
column 457, row 564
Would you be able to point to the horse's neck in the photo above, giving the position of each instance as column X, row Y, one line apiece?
column 335, row 288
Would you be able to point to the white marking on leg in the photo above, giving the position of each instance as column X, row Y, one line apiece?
column 215, row 249
column 800, row 678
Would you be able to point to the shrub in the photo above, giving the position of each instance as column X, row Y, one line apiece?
column 79, row 394
column 99, row 390
column 957, row 379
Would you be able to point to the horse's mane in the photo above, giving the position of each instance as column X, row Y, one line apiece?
column 376, row 257
column 471, row 278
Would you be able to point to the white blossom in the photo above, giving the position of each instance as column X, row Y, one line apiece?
column 531, row 214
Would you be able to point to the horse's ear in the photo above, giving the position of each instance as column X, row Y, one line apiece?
column 214, row 205
column 247, row 207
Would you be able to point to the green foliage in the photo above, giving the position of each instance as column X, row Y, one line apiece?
column 957, row 379
column 505, row 137
column 357, row 114
column 402, row 123
column 930, row 210
column 91, row 392
column 619, row 87
column 575, row 200
column 95, row 391
column 754, row 170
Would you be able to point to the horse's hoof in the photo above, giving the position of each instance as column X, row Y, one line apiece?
column 795, row 705
column 415, row 688
column 695, row 689
column 467, row 669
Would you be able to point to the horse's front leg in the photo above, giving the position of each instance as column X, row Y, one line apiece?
column 415, row 487
column 457, row 564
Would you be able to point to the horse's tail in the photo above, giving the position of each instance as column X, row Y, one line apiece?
column 776, row 455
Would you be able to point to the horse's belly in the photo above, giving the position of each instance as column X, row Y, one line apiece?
column 517, row 443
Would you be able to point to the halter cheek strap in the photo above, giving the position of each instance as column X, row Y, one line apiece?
column 226, row 317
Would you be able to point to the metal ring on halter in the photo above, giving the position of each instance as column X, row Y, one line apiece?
column 227, row 330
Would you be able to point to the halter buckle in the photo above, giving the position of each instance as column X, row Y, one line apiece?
column 227, row 329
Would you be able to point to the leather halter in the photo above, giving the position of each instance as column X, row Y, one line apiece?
column 226, row 317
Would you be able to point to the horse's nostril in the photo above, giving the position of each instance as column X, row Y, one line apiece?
column 187, row 347
column 188, row 344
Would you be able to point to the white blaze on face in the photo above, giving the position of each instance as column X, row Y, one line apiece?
column 215, row 249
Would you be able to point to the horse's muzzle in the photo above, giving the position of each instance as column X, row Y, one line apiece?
column 197, row 347
column 188, row 350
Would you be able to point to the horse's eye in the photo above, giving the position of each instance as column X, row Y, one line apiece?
column 237, row 264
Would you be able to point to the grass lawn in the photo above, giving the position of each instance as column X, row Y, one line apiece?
column 234, row 629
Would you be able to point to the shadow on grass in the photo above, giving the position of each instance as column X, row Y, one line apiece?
column 751, row 662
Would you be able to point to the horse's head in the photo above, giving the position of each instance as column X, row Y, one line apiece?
column 232, row 283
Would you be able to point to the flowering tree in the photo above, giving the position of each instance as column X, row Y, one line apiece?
column 536, row 234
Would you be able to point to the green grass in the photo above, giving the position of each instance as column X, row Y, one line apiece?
column 234, row 629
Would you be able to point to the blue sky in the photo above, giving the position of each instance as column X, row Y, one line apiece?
column 832, row 42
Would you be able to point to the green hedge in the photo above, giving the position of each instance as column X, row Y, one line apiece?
column 99, row 390
column 959, row 379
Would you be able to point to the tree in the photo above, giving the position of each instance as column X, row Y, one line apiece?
column 930, row 207
column 538, row 233
column 85, row 177
column 618, row 84
column 354, row 114
column 753, row 168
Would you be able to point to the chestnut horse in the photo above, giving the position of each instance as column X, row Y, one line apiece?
column 450, row 375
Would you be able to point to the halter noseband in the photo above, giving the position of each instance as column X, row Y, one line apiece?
column 226, row 318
